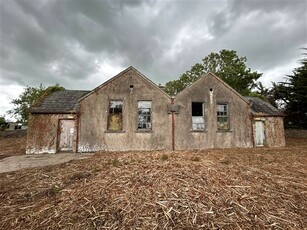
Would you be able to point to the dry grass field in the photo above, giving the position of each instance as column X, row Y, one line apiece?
column 12, row 146
column 209, row 189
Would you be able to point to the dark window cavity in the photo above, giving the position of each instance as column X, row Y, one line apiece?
column 115, row 118
column 222, row 117
column 198, row 121
column 144, row 115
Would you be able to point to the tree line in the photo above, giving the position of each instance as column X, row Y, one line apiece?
column 290, row 96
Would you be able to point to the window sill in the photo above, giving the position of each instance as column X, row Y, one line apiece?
column 109, row 131
column 198, row 131
column 224, row 131
column 144, row 131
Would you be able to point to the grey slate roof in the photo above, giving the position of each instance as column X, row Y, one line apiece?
column 64, row 101
column 262, row 107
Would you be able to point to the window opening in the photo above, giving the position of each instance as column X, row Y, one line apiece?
column 144, row 115
column 222, row 117
column 198, row 121
column 115, row 118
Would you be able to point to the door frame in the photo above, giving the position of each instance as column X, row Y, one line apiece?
column 59, row 133
column 262, row 120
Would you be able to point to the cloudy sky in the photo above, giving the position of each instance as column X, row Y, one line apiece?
column 82, row 43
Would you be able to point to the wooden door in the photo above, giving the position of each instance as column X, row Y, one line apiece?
column 66, row 137
column 259, row 133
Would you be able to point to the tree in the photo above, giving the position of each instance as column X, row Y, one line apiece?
column 293, row 92
column 227, row 65
column 2, row 122
column 2, row 119
column 267, row 94
column 29, row 97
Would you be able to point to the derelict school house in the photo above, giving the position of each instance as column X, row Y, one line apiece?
column 130, row 112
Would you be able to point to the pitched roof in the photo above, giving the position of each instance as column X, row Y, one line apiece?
column 261, row 107
column 64, row 101
column 131, row 68
column 217, row 78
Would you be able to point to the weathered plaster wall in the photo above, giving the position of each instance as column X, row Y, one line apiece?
column 43, row 132
column 274, row 132
column 240, row 133
column 93, row 133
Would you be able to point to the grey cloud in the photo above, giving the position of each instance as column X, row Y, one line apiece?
column 241, row 6
column 60, row 40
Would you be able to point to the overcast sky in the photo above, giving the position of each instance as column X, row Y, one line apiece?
column 82, row 43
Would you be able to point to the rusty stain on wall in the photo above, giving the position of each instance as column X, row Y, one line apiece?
column 43, row 133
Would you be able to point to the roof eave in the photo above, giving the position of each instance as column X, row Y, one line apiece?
column 54, row 112
column 267, row 115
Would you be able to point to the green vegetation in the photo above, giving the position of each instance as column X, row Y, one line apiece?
column 29, row 97
column 227, row 65
column 293, row 95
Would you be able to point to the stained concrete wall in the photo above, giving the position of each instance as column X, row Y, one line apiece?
column 93, row 132
column 240, row 132
column 91, row 119
column 43, row 132
column 274, row 132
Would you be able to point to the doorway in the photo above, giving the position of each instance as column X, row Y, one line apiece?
column 66, row 135
column 259, row 133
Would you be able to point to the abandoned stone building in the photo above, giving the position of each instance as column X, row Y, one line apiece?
column 130, row 112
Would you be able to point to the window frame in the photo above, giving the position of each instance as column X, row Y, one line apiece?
column 140, row 129
column 121, row 115
column 227, row 116
column 203, row 116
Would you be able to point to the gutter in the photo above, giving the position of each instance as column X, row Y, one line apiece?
column 173, row 125
column 252, row 125
column 268, row 115
column 78, row 125
column 54, row 112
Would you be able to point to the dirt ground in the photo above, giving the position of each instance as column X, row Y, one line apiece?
column 14, row 163
column 13, row 157
column 12, row 146
column 259, row 188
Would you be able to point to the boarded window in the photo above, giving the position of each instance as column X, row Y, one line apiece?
column 222, row 117
column 115, row 118
column 198, row 121
column 144, row 115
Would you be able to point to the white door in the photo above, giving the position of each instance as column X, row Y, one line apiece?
column 259, row 133
column 66, row 135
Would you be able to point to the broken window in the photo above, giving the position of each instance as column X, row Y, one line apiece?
column 115, row 118
column 222, row 117
column 198, row 121
column 144, row 115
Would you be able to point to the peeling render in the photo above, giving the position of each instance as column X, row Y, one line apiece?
column 43, row 132
column 87, row 148
column 98, row 132
column 40, row 151
column 211, row 92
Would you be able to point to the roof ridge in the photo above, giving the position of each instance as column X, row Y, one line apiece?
column 119, row 75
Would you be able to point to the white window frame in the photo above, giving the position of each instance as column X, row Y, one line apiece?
column 144, row 115
column 222, row 116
